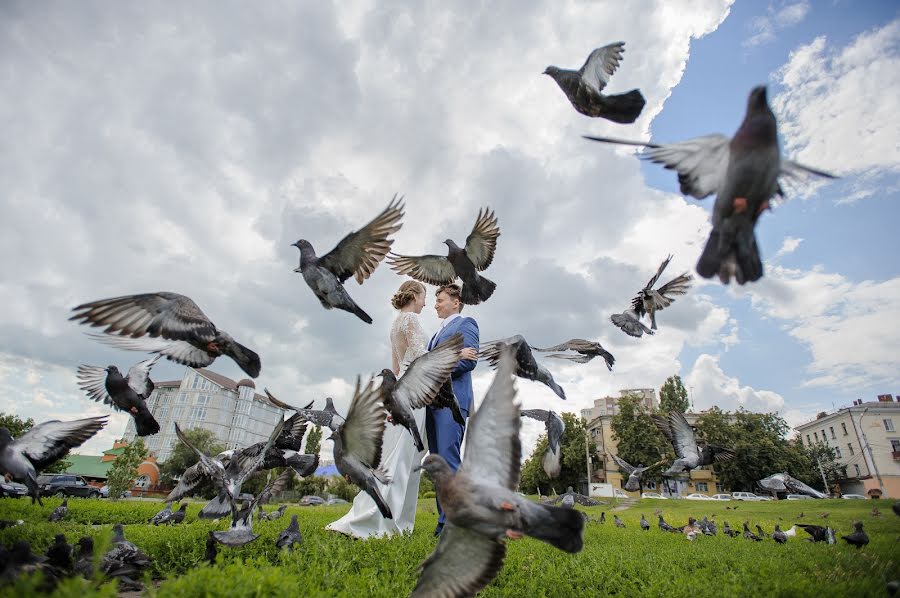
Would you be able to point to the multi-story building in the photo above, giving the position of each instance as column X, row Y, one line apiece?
column 866, row 440
column 610, row 405
column 204, row 399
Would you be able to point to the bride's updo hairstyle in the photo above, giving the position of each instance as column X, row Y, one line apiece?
column 406, row 294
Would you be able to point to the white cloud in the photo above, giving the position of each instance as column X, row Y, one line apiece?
column 711, row 386
column 764, row 28
column 788, row 246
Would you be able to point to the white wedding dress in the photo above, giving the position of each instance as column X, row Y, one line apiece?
column 398, row 454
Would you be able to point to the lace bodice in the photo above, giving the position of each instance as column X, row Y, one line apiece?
column 408, row 340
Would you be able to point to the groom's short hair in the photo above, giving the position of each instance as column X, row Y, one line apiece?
column 453, row 291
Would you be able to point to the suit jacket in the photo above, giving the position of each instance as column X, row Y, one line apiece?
column 461, row 377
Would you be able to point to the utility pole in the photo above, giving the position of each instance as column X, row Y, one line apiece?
column 868, row 448
column 587, row 458
column 822, row 471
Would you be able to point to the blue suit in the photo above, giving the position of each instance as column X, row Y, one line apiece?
column 444, row 434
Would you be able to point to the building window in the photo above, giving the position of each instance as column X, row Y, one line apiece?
column 831, row 429
column 816, row 434
column 889, row 425
column 163, row 398
column 837, row 452
column 856, row 467
column 895, row 445
column 178, row 412
column 182, row 397
column 850, row 448
column 719, row 487
column 702, row 487
column 844, row 428
column 163, row 413
column 142, row 482
column 824, row 438
column 808, row 441
column 198, row 413
column 202, row 400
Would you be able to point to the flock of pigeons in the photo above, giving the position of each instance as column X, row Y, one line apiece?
column 482, row 507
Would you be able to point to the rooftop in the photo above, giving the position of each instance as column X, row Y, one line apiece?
column 223, row 381
column 88, row 465
column 883, row 402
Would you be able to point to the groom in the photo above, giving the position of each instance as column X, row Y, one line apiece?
column 444, row 434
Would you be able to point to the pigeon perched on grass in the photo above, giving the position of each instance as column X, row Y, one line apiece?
column 858, row 537
column 59, row 554
column 818, row 533
column 166, row 323
column 357, row 255
column 124, row 561
column 5, row 523
column 60, row 512
column 556, row 427
column 618, row 522
column 41, row 446
column 896, row 508
column 650, row 300
column 526, row 365
column 241, row 531
column 290, row 536
column 791, row 532
column 276, row 514
column 726, row 529
column 463, row 263
column 163, row 516
column 20, row 562
column 630, row 323
column 778, row 535
column 690, row 454
column 744, row 173
column 583, row 87
column 645, row 525
column 750, row 535
column 125, row 393
column 420, row 384
column 603, row 517
column 212, row 550
column 481, row 504
column 84, row 560
column 634, row 473
column 665, row 526
column 587, row 350
column 760, row 532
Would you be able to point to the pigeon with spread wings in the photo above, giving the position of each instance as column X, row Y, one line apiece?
column 634, row 473
column 587, row 350
column 328, row 417
column 128, row 393
column 166, row 323
column 630, row 323
column 556, row 427
column 526, row 365
column 241, row 530
column 357, row 255
column 583, row 87
column 463, row 263
column 690, row 455
column 650, row 300
column 744, row 172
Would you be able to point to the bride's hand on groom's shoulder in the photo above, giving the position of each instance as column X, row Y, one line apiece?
column 468, row 353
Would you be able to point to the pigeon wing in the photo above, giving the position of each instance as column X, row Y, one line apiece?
column 169, row 315
column 139, row 376
column 360, row 252
column 624, row 466
column 178, row 351
column 493, row 448
column 722, row 454
column 48, row 441
column 601, row 64
column 575, row 358
column 659, row 272
column 430, row 269
column 683, row 440
column 556, row 427
column 276, row 486
column 210, row 467
column 192, row 477
column 574, row 344
column 427, row 373
column 482, row 241
column 463, row 563
column 677, row 286
column 542, row 415
column 250, row 466
column 363, row 430
column 92, row 380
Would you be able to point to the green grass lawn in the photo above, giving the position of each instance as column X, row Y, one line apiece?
column 614, row 561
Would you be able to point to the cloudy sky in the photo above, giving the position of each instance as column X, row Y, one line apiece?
column 152, row 148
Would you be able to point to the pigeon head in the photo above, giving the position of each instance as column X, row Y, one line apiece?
column 552, row 71
column 758, row 99
column 118, row 533
column 388, row 375
column 5, row 437
column 857, row 525
column 451, row 244
column 306, row 252
column 112, row 370
column 183, row 507
column 436, row 467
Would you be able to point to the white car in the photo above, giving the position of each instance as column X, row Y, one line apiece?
column 721, row 497
column 655, row 495
column 853, row 497
column 747, row 496
column 798, row 497
column 698, row 497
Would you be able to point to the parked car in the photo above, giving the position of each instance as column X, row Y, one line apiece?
column 335, row 500
column 698, row 496
column 798, row 497
column 12, row 489
column 853, row 497
column 310, row 500
column 747, row 496
column 655, row 495
column 62, row 485
column 620, row 494
column 104, row 492
column 721, row 497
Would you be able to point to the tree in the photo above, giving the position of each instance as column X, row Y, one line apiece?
column 673, row 396
column 183, row 457
column 639, row 442
column 18, row 426
column 124, row 469
column 313, row 441
column 574, row 468
column 807, row 462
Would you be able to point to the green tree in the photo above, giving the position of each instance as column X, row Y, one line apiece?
column 574, row 468
column 673, row 396
column 639, row 442
column 124, row 469
column 313, row 440
column 807, row 462
column 183, row 457
column 18, row 426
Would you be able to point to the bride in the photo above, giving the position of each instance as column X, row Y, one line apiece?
column 399, row 454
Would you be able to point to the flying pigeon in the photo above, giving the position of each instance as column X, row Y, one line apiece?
column 128, row 393
column 645, row 525
column 446, row 399
column 241, row 530
column 357, row 255
column 526, row 365
column 744, row 173
column 419, row 385
column 166, row 323
column 462, row 263
column 583, row 87
column 750, row 535
column 59, row 554
column 481, row 503
column 84, row 560
column 284, row 452
column 41, row 446
column 124, row 561
column 782, row 482
column 211, row 550
column 818, row 533
column 778, row 535
column 196, row 474
column 690, row 455
column 290, row 537
column 858, row 537
column 327, row 417
column 634, row 473
column 555, row 430
column 630, row 323
column 587, row 350
column 650, row 300
column 357, row 444
column 618, row 522
column 60, row 512
column 570, row 497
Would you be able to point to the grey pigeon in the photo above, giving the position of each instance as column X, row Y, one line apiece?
column 357, row 444
column 327, row 417
column 665, row 526
column 744, row 173
column 750, row 535
column 59, row 554
column 60, row 512
column 778, row 535
column 570, row 497
column 178, row 516
column 630, row 323
column 284, row 452
column 481, row 504
column 858, row 537
column 634, row 473
column 650, row 300
column 555, row 430
column 730, row 532
column 166, row 323
column 124, row 393
column 645, row 525
column 241, row 530
column 195, row 475
column 41, row 446
column 760, row 532
column 568, row 501
column 711, row 528
column 896, row 508
column 603, row 517
column 124, row 561
column 463, row 263
column 587, row 350
column 84, row 560
column 290, row 537
column 690, row 454
column 526, row 365
column 446, row 399
column 419, row 385
column 163, row 516
column 357, row 255
column 276, row 514
column 782, row 482
column 261, row 513
column 20, row 561
column 618, row 522
column 817, row 532
column 5, row 523
column 583, row 87
column 211, row 549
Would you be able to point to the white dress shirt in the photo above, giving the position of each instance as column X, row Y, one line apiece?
column 448, row 319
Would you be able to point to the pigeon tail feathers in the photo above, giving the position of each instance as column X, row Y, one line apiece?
column 557, row 526
column 623, row 108
column 477, row 290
